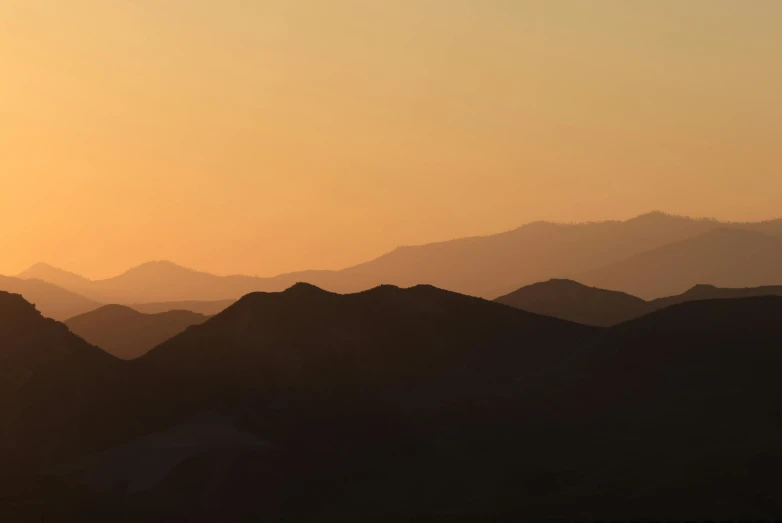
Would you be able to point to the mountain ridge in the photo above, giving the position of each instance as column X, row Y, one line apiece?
column 486, row 266
column 574, row 301
column 722, row 257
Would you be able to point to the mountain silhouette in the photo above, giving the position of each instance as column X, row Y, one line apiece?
column 573, row 301
column 421, row 403
column 53, row 301
column 721, row 257
column 687, row 401
column 207, row 308
column 60, row 277
column 570, row 300
column 126, row 333
column 46, row 381
column 337, row 379
column 485, row 266
column 163, row 281
column 308, row 337
column 710, row 292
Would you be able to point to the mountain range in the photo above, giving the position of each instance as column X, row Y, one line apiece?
column 722, row 257
column 651, row 256
column 392, row 404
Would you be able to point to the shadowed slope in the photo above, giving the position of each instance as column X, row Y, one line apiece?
column 309, row 344
column 127, row 333
column 415, row 391
column 722, row 257
column 679, row 410
column 343, row 383
column 420, row 403
column 47, row 379
column 51, row 300
column 569, row 300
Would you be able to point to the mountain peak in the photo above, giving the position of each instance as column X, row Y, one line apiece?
column 702, row 287
column 574, row 301
column 658, row 216
column 15, row 302
column 159, row 264
column 303, row 288
column 50, row 273
column 42, row 265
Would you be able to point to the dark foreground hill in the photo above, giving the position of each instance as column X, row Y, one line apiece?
column 394, row 404
column 127, row 333
column 48, row 377
column 690, row 396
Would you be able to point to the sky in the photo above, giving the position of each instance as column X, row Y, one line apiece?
column 268, row 136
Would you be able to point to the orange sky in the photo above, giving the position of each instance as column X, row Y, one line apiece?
column 269, row 136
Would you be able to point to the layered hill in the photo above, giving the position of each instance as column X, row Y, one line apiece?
column 425, row 404
column 207, row 308
column 710, row 292
column 53, row 301
column 57, row 276
column 486, row 266
column 572, row 301
column 722, row 257
column 127, row 333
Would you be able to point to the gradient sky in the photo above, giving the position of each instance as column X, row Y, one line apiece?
column 269, row 136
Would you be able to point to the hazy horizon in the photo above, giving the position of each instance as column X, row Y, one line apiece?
column 269, row 137
column 155, row 260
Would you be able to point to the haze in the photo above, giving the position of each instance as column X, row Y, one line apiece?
column 271, row 136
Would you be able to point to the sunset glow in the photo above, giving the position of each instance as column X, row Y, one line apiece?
column 271, row 136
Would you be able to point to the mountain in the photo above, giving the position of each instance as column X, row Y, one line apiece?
column 495, row 265
column 53, row 301
column 308, row 392
column 207, row 308
column 59, row 277
column 305, row 338
column 348, row 381
column 163, row 281
column 687, row 401
column 127, row 333
column 486, row 266
column 572, row 301
column 48, row 378
column 398, row 404
column 720, row 257
column 710, row 292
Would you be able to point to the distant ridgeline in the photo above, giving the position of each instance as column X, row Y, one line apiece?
column 651, row 256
